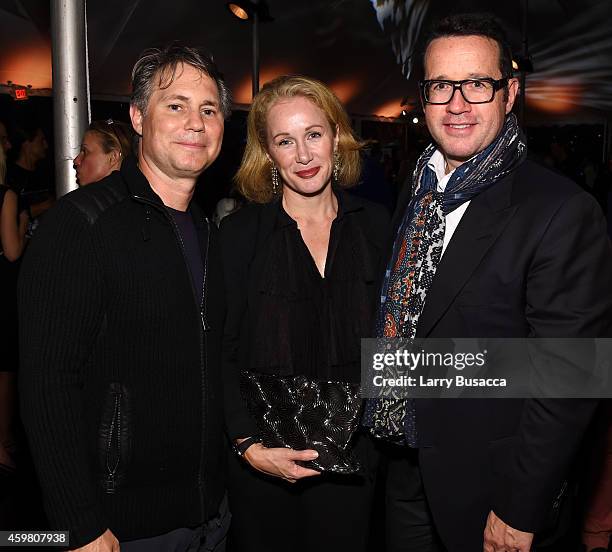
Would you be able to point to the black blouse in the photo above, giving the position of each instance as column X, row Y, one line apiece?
column 283, row 317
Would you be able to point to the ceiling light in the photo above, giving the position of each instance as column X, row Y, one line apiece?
column 238, row 11
column 247, row 9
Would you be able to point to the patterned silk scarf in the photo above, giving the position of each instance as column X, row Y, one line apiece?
column 417, row 252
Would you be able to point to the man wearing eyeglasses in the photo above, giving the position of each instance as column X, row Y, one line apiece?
column 487, row 244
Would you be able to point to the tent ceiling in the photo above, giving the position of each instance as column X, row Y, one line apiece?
column 339, row 41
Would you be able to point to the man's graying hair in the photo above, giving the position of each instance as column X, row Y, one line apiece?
column 157, row 67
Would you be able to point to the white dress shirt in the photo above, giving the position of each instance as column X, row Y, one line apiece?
column 438, row 165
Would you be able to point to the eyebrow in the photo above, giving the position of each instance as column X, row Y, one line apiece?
column 182, row 98
column 470, row 76
column 305, row 130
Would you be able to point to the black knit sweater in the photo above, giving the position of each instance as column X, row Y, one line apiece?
column 120, row 383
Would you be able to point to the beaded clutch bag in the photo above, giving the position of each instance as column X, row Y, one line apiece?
column 299, row 413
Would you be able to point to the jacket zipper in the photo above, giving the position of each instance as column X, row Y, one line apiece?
column 109, row 487
column 204, row 327
column 204, row 364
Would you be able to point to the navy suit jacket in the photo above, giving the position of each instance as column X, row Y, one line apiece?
column 530, row 258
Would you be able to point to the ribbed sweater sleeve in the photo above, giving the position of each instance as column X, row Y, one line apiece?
column 60, row 313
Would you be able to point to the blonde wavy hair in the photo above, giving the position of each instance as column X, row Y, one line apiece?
column 254, row 177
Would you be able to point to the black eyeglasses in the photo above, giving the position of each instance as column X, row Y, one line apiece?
column 474, row 91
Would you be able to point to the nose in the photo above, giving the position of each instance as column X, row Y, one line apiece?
column 195, row 121
column 77, row 160
column 457, row 103
column 303, row 154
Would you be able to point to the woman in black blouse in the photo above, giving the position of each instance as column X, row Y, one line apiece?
column 301, row 269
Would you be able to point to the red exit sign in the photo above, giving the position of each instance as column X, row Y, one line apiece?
column 20, row 93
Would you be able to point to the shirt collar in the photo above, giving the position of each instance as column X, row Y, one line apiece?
column 437, row 164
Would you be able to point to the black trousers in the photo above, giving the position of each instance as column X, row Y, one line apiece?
column 210, row 537
column 409, row 525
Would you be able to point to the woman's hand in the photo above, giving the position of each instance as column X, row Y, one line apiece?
column 281, row 462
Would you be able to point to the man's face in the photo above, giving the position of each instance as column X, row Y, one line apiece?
column 182, row 128
column 5, row 143
column 37, row 147
column 461, row 129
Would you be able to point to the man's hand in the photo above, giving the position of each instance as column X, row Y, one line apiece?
column 500, row 537
column 280, row 462
column 106, row 542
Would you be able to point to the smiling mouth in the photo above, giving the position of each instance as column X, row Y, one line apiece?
column 308, row 173
column 459, row 126
column 190, row 145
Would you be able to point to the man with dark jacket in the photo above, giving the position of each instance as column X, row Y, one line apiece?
column 121, row 316
column 487, row 245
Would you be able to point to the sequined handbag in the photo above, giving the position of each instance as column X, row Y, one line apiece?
column 299, row 413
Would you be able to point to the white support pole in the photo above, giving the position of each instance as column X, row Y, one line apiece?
column 70, row 87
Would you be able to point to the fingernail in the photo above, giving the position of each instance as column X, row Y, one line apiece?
column 314, row 454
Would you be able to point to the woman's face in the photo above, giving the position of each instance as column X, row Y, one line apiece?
column 92, row 163
column 301, row 143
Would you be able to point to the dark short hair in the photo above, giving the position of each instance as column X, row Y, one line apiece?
column 474, row 24
column 24, row 131
column 158, row 66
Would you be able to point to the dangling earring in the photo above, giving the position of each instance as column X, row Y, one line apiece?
column 336, row 167
column 275, row 180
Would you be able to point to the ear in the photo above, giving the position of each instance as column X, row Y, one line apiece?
column 513, row 90
column 114, row 158
column 336, row 138
column 136, row 118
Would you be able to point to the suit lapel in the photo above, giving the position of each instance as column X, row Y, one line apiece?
column 481, row 224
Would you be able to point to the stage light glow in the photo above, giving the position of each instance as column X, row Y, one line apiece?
column 392, row 109
column 554, row 97
column 573, row 64
column 346, row 89
column 242, row 93
column 28, row 65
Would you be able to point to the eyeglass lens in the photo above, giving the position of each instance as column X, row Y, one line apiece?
column 473, row 91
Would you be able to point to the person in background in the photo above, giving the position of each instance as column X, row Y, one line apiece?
column 300, row 266
column 374, row 184
column 13, row 224
column 226, row 206
column 25, row 176
column 105, row 145
column 5, row 142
